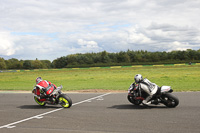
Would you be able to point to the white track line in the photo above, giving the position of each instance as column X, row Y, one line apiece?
column 11, row 125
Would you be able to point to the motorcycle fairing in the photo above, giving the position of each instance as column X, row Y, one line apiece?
column 46, row 86
column 166, row 89
column 49, row 89
column 43, row 84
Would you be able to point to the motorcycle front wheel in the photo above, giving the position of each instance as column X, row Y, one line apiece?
column 133, row 101
column 41, row 103
column 170, row 100
column 65, row 101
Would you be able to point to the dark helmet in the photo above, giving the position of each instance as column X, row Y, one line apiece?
column 38, row 80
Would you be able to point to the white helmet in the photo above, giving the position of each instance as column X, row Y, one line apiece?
column 138, row 78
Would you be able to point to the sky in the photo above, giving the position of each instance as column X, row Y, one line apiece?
column 50, row 29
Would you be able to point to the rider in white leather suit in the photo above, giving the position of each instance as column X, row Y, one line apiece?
column 149, row 87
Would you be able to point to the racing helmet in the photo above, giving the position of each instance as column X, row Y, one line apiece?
column 138, row 78
column 38, row 80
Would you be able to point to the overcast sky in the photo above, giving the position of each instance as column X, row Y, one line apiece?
column 49, row 29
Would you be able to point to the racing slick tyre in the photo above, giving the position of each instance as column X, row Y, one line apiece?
column 170, row 100
column 133, row 101
column 65, row 101
column 41, row 103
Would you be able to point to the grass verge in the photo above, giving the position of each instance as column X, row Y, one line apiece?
column 181, row 78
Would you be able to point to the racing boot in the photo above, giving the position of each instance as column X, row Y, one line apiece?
column 147, row 100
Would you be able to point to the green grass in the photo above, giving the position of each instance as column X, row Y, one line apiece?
column 181, row 78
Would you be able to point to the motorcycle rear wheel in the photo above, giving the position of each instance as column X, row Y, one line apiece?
column 170, row 100
column 41, row 103
column 65, row 101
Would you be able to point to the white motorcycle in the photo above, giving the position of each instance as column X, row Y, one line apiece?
column 163, row 96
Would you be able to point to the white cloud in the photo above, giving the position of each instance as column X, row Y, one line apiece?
column 87, row 44
column 7, row 44
column 67, row 27
column 138, row 37
column 178, row 46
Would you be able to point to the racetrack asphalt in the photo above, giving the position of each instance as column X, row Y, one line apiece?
column 98, row 113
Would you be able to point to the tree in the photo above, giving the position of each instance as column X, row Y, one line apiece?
column 104, row 57
column 2, row 64
column 155, row 57
column 46, row 63
column 123, row 57
column 36, row 64
column 14, row 64
column 72, row 59
column 27, row 64
column 60, row 62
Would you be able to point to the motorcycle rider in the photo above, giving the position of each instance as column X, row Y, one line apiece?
column 44, row 88
column 147, row 86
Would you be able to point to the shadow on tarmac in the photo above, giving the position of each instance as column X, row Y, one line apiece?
column 37, row 107
column 130, row 106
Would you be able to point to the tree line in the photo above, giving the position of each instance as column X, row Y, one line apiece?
column 24, row 64
column 104, row 58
